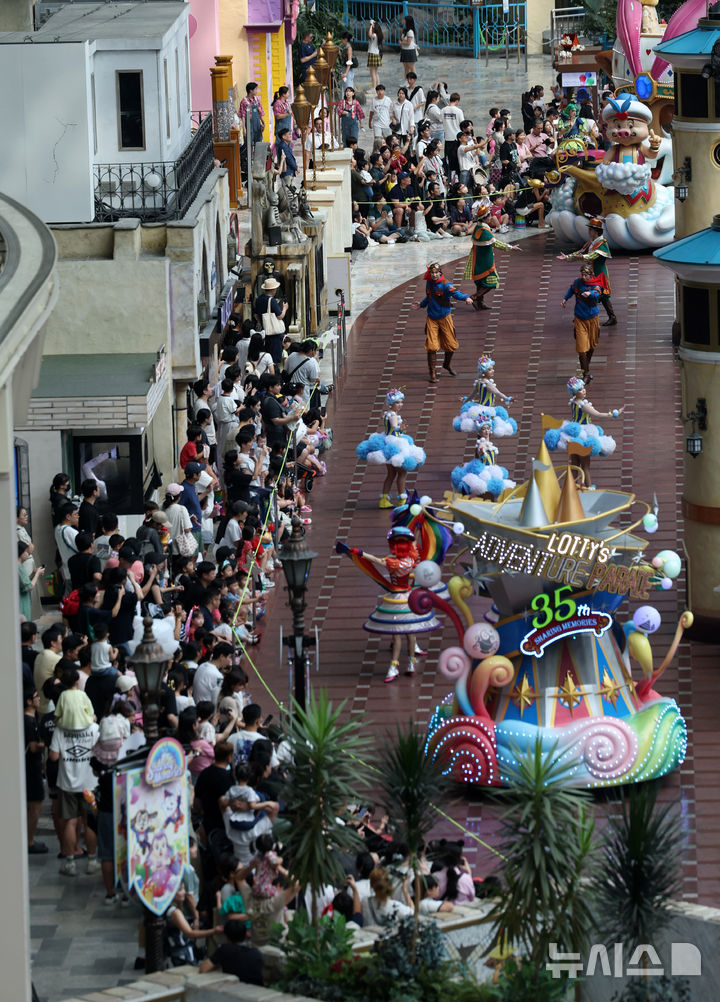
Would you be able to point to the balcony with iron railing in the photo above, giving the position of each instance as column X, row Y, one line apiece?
column 156, row 191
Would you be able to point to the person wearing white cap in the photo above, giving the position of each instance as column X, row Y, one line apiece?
column 271, row 313
column 177, row 515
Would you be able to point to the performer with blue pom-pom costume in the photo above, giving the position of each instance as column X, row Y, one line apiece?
column 394, row 449
column 482, row 477
column 482, row 403
column 580, row 428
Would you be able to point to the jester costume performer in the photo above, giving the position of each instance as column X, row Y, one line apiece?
column 480, row 266
column 586, row 291
column 439, row 326
column 392, row 615
column 482, row 402
column 597, row 252
column 393, row 448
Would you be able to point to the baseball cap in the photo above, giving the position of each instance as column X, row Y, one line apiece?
column 173, row 489
column 402, row 175
column 193, row 468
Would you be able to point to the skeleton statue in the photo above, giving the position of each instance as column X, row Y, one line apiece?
column 269, row 270
column 305, row 210
column 289, row 214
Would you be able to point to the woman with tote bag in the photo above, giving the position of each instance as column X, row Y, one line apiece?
column 270, row 312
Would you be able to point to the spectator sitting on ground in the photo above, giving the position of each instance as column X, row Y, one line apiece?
column 235, row 957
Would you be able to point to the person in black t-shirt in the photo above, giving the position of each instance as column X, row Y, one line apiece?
column 233, row 957
column 212, row 784
column 84, row 566
column 89, row 516
column 34, row 747
column 275, row 415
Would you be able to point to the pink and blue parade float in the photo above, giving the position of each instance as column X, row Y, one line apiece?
column 555, row 662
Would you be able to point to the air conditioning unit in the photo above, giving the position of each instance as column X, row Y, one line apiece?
column 130, row 185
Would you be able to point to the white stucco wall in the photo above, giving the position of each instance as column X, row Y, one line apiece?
column 158, row 145
column 46, row 151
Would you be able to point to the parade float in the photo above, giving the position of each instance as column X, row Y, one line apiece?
column 632, row 186
column 558, row 661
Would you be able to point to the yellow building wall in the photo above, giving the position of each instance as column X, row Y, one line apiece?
column 233, row 17
column 538, row 20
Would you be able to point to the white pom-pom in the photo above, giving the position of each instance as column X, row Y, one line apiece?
column 425, row 499
column 458, row 528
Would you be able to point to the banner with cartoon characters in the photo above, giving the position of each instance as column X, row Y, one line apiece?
column 157, row 825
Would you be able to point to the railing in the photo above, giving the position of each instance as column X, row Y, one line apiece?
column 160, row 191
column 461, row 28
column 565, row 21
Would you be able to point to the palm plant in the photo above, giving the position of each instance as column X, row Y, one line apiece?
column 547, row 843
column 639, row 872
column 411, row 784
column 326, row 773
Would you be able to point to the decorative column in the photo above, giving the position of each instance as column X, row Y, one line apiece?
column 695, row 59
column 696, row 262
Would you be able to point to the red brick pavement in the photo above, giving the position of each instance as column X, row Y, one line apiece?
column 530, row 337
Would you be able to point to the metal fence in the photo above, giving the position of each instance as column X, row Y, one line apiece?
column 156, row 191
column 466, row 29
column 565, row 21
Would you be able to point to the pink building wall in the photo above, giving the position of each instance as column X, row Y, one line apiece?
column 204, row 30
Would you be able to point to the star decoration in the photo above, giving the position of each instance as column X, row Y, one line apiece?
column 523, row 695
column 609, row 689
column 569, row 694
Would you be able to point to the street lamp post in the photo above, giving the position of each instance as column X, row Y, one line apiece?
column 302, row 112
column 149, row 662
column 322, row 72
column 296, row 558
column 312, row 93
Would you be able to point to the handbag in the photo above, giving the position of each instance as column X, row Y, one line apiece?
column 272, row 324
column 355, row 63
column 186, row 544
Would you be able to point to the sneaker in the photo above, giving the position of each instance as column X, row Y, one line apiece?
column 410, row 670
column 266, row 582
column 392, row 672
column 419, row 652
column 37, row 849
column 124, row 900
column 385, row 501
column 93, row 865
column 503, row 229
column 306, row 510
column 111, row 900
column 68, row 867
column 307, row 521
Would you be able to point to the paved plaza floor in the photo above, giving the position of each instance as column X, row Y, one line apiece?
column 78, row 944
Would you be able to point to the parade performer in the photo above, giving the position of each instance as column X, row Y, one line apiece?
column 480, row 266
column 482, row 402
column 586, row 291
column 597, row 252
column 482, row 477
column 439, row 326
column 581, row 430
column 392, row 615
column 394, row 449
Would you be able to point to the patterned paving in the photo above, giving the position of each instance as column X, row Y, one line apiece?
column 531, row 340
